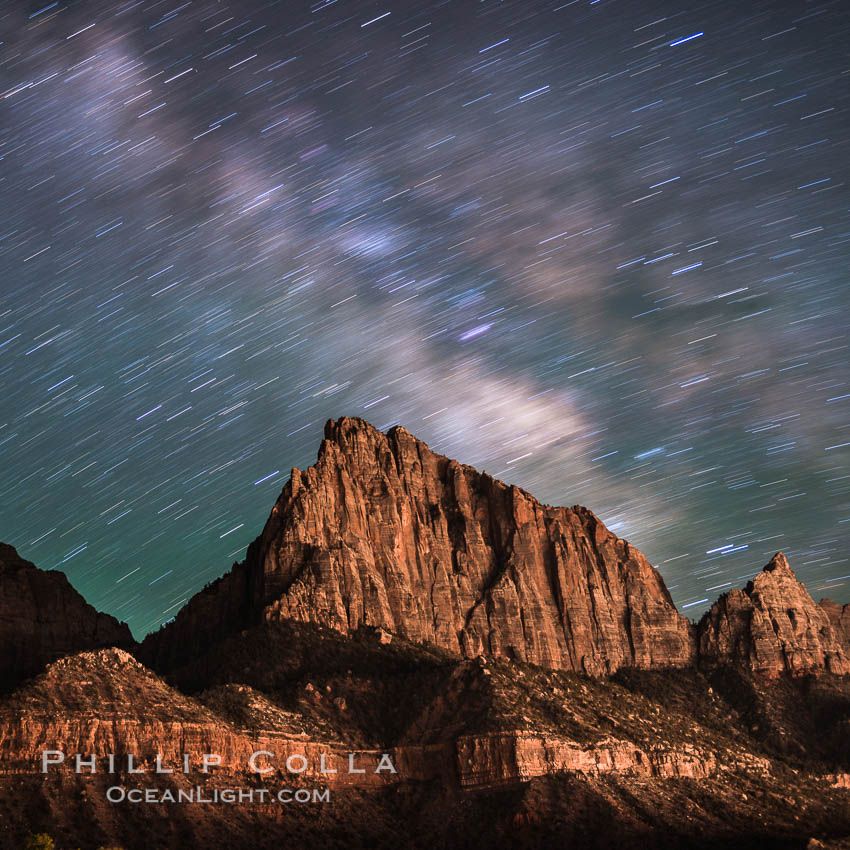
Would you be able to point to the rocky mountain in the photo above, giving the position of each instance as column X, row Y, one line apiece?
column 839, row 618
column 383, row 532
column 523, row 669
column 773, row 626
column 494, row 751
column 43, row 618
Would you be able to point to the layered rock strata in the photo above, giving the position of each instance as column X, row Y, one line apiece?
column 106, row 706
column 772, row 626
column 384, row 532
column 839, row 618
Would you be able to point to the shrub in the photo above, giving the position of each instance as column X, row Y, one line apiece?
column 41, row 841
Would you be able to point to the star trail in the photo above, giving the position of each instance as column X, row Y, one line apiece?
column 599, row 249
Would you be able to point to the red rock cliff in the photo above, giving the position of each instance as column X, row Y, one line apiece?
column 43, row 618
column 384, row 532
column 773, row 626
column 839, row 618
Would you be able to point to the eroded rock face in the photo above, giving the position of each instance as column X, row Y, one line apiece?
column 510, row 756
column 384, row 532
column 772, row 627
column 104, row 702
column 101, row 702
column 839, row 618
column 43, row 618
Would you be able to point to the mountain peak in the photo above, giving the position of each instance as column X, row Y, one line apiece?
column 336, row 427
column 384, row 532
column 11, row 560
column 779, row 563
column 42, row 617
column 773, row 626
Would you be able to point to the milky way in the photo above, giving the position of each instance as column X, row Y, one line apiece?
column 598, row 249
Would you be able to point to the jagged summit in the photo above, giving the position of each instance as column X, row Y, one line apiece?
column 773, row 626
column 349, row 432
column 382, row 531
column 779, row 563
column 346, row 432
column 385, row 533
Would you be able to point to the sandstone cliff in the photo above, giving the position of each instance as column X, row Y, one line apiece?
column 500, row 746
column 839, row 618
column 43, row 618
column 105, row 702
column 344, row 632
column 469, row 734
column 383, row 532
column 772, row 627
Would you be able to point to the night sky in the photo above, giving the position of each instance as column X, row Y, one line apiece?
column 599, row 249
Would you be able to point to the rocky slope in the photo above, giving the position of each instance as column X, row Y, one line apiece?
column 43, row 618
column 382, row 531
column 772, row 627
column 482, row 729
column 491, row 751
column 105, row 702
